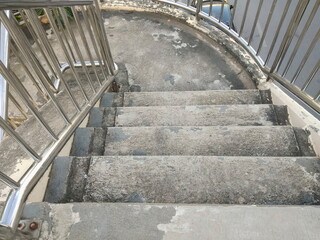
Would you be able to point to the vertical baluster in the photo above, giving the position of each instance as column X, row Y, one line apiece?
column 68, row 57
column 244, row 18
column 311, row 76
column 97, row 36
column 19, row 140
column 23, row 63
column 255, row 22
column 306, row 57
column 9, row 181
column 25, row 48
column 301, row 37
column 233, row 13
column 94, row 41
column 266, row 27
column 44, row 41
column 293, row 25
column 76, row 47
column 42, row 48
column 85, row 42
column 15, row 102
column 210, row 9
column 20, row 90
column 221, row 12
column 4, row 51
column 275, row 37
column 104, row 39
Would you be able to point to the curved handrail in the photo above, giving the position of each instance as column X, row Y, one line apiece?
column 272, row 68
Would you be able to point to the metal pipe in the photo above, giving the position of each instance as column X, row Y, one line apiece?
column 245, row 17
column 16, row 4
column 44, row 40
column 306, row 56
column 4, row 51
column 11, row 215
column 266, row 27
column 221, row 12
column 255, row 22
column 301, row 37
column 76, row 47
column 69, row 60
column 15, row 102
column 311, row 76
column 105, row 41
column 9, row 181
column 40, row 46
column 23, row 94
column 294, row 23
column 85, row 43
column 233, row 13
column 94, row 41
column 19, row 140
column 23, row 63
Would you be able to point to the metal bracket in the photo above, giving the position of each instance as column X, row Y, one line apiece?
column 29, row 229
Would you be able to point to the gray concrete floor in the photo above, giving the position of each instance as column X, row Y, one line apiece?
column 164, row 54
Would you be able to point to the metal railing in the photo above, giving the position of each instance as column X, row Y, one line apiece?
column 70, row 67
column 282, row 37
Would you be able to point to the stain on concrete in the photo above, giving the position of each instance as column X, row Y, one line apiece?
column 139, row 152
column 118, row 135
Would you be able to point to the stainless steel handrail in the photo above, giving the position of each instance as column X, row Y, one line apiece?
column 271, row 67
column 4, row 49
column 81, row 97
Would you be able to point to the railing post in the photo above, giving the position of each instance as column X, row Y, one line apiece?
column 294, row 23
column 4, row 49
column 199, row 7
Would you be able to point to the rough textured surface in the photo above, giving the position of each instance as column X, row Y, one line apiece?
column 204, row 179
column 219, row 141
column 201, row 115
column 96, row 221
column 67, row 179
column 186, row 59
column 82, row 142
column 192, row 98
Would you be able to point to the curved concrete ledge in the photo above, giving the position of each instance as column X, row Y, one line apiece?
column 212, row 32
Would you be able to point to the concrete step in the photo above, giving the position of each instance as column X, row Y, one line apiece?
column 213, row 141
column 204, row 179
column 205, row 115
column 181, row 98
column 96, row 221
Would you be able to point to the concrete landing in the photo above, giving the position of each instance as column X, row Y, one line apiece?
column 96, row 221
column 163, row 54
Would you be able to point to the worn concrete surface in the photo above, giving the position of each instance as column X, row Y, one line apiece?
column 67, row 179
column 98, row 221
column 201, row 115
column 230, row 97
column 204, row 179
column 162, row 53
column 219, row 141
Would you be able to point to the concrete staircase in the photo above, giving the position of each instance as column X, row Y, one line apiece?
column 199, row 147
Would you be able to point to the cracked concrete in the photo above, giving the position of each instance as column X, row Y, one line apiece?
column 172, row 54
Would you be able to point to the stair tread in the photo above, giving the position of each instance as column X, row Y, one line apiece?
column 204, row 140
column 176, row 98
column 172, row 221
column 200, row 115
column 204, row 179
